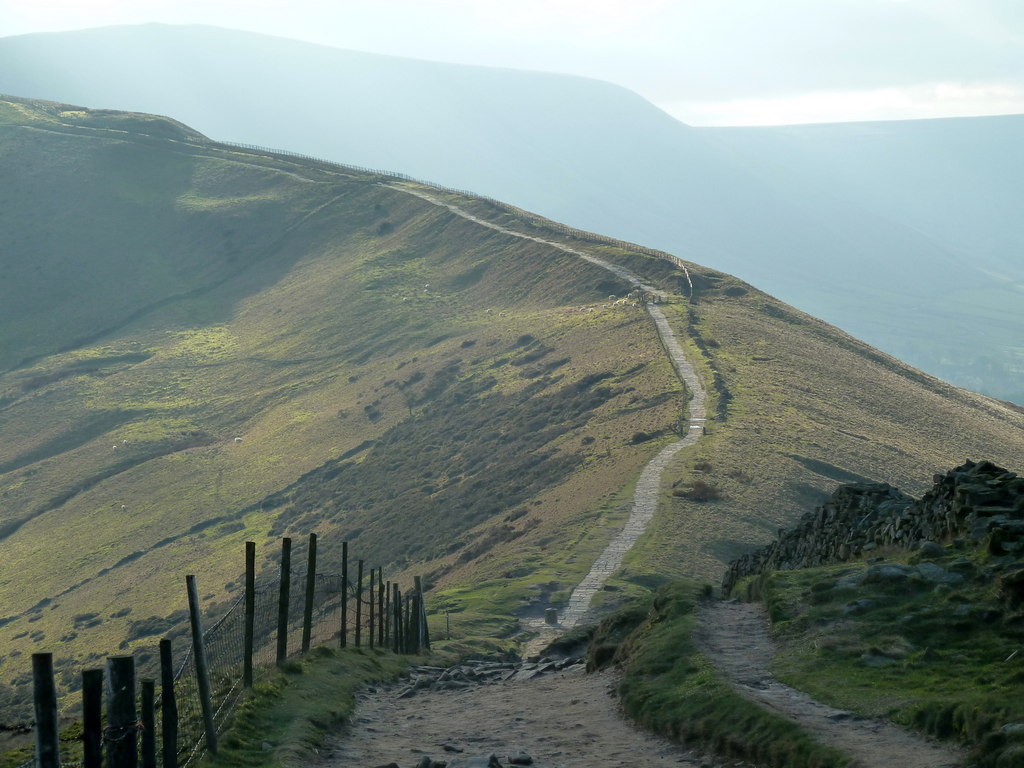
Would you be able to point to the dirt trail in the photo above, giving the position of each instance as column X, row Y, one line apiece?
column 648, row 488
column 564, row 720
column 735, row 637
column 570, row 719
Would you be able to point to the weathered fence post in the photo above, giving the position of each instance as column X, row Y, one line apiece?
column 396, row 622
column 389, row 617
column 44, row 691
column 415, row 622
column 148, row 724
column 407, row 624
column 283, row 601
column 344, row 594
column 122, row 751
column 250, row 613
column 372, row 605
column 359, row 602
column 92, row 718
column 424, row 634
column 168, row 707
column 307, row 613
column 202, row 667
column 381, row 621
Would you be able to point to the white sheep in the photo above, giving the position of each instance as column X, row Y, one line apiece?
column 238, row 439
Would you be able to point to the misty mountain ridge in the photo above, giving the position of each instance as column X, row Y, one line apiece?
column 901, row 233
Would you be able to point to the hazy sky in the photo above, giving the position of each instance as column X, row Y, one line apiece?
column 708, row 62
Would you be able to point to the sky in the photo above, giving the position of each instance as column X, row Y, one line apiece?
column 706, row 62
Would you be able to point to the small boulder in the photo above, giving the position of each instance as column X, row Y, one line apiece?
column 477, row 761
column 930, row 549
column 889, row 574
column 858, row 607
column 936, row 574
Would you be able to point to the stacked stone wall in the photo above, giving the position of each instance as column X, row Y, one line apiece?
column 978, row 501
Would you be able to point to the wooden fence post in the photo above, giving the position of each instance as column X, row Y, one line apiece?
column 415, row 626
column 406, row 634
column 381, row 621
column 284, row 600
column 307, row 613
column 396, row 607
column 387, row 616
column 344, row 594
column 359, row 602
column 202, row 667
column 424, row 634
column 122, row 750
column 168, row 707
column 92, row 718
column 44, row 691
column 372, row 600
column 148, row 724
column 250, row 613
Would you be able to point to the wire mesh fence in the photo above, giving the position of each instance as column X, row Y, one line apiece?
column 329, row 609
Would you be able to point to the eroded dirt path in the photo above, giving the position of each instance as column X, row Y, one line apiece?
column 735, row 638
column 564, row 720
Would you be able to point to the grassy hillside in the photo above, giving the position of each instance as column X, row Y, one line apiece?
column 442, row 374
column 204, row 345
column 832, row 219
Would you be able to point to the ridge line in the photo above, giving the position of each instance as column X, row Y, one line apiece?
column 646, row 493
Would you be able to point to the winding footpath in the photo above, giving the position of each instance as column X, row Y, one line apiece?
column 648, row 487
column 569, row 719
column 734, row 636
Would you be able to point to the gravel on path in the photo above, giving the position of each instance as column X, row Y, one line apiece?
column 567, row 719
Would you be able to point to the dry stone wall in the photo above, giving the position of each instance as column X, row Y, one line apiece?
column 978, row 501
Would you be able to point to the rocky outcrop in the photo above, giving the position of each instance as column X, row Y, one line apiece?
column 473, row 673
column 979, row 501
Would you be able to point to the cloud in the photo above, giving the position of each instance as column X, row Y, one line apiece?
column 944, row 99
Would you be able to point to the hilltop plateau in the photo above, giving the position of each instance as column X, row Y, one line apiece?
column 205, row 344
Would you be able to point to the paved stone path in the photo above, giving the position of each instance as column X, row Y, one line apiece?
column 648, row 488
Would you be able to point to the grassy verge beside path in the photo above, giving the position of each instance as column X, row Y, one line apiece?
column 669, row 686
column 944, row 659
column 288, row 715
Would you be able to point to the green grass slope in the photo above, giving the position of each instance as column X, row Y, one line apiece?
column 803, row 408
column 203, row 345
column 443, row 374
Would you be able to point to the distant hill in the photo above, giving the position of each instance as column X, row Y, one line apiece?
column 904, row 234
column 204, row 345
